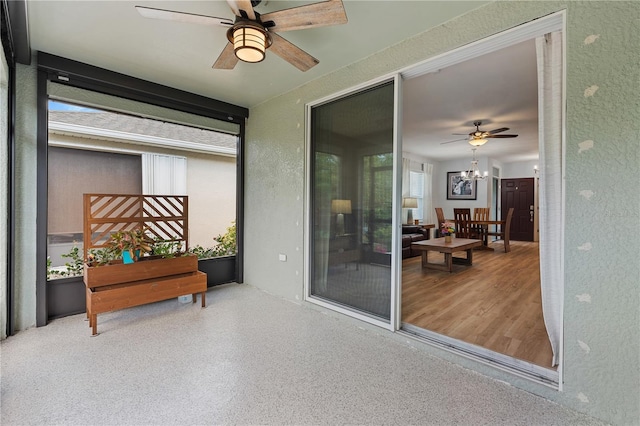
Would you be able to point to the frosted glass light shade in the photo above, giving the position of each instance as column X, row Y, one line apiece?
column 249, row 44
column 477, row 142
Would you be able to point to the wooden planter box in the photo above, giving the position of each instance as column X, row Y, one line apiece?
column 117, row 273
column 117, row 286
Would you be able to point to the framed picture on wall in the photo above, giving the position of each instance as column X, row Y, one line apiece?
column 460, row 189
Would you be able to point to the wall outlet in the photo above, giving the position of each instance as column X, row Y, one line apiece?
column 282, row 257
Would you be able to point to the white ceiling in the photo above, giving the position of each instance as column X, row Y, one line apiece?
column 112, row 35
column 500, row 89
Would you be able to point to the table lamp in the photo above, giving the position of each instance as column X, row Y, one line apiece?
column 340, row 208
column 409, row 203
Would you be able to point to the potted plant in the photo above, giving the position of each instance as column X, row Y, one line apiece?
column 447, row 230
column 218, row 262
column 130, row 245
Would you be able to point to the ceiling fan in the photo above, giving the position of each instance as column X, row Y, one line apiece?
column 251, row 34
column 479, row 137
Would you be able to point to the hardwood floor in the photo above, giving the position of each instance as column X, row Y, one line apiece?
column 495, row 303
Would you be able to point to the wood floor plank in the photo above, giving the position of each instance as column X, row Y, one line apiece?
column 495, row 303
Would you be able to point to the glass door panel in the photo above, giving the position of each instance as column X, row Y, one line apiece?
column 351, row 201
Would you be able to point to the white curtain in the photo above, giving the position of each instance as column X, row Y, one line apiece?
column 549, row 58
column 429, row 212
column 164, row 174
column 406, row 184
column 406, row 177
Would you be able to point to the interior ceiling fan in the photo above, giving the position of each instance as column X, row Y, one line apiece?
column 479, row 137
column 251, row 34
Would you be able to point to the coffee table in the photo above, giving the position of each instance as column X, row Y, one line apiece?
column 439, row 245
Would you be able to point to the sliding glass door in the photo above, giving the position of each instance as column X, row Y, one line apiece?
column 351, row 200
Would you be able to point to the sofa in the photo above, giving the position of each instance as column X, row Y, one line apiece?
column 411, row 234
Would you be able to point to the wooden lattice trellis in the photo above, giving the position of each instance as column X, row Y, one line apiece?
column 163, row 217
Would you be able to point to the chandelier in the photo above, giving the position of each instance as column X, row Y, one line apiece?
column 474, row 173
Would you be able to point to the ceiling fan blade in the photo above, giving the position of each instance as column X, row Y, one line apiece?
column 494, row 131
column 461, row 134
column 501, row 136
column 238, row 6
column 292, row 53
column 455, row 140
column 190, row 18
column 309, row 16
column 227, row 59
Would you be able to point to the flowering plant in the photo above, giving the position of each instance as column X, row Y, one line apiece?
column 447, row 228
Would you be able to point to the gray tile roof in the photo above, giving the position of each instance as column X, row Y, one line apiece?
column 144, row 126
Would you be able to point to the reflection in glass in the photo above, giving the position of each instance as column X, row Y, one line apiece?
column 352, row 197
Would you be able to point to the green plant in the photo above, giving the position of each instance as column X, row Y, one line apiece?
column 99, row 257
column 202, row 253
column 226, row 243
column 76, row 265
column 166, row 249
column 48, row 268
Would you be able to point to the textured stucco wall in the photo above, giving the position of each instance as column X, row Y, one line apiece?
column 602, row 267
column 4, row 175
column 602, row 298
column 25, row 193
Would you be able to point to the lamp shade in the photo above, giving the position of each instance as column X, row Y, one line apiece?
column 410, row 203
column 250, row 41
column 341, row 206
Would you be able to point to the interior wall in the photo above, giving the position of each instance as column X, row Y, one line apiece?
column 601, row 367
column 483, row 187
column 519, row 169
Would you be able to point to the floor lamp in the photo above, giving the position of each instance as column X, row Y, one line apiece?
column 340, row 208
column 410, row 203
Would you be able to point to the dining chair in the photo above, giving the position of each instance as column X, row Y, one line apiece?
column 504, row 231
column 440, row 217
column 463, row 222
column 480, row 213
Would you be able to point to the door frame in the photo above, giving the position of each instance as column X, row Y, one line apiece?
column 527, row 31
column 521, row 33
column 396, row 268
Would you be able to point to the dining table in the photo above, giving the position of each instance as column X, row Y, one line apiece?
column 483, row 227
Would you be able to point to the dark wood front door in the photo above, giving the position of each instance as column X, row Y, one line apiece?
column 519, row 194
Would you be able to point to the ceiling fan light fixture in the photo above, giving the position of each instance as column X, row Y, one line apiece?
column 250, row 41
column 477, row 142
